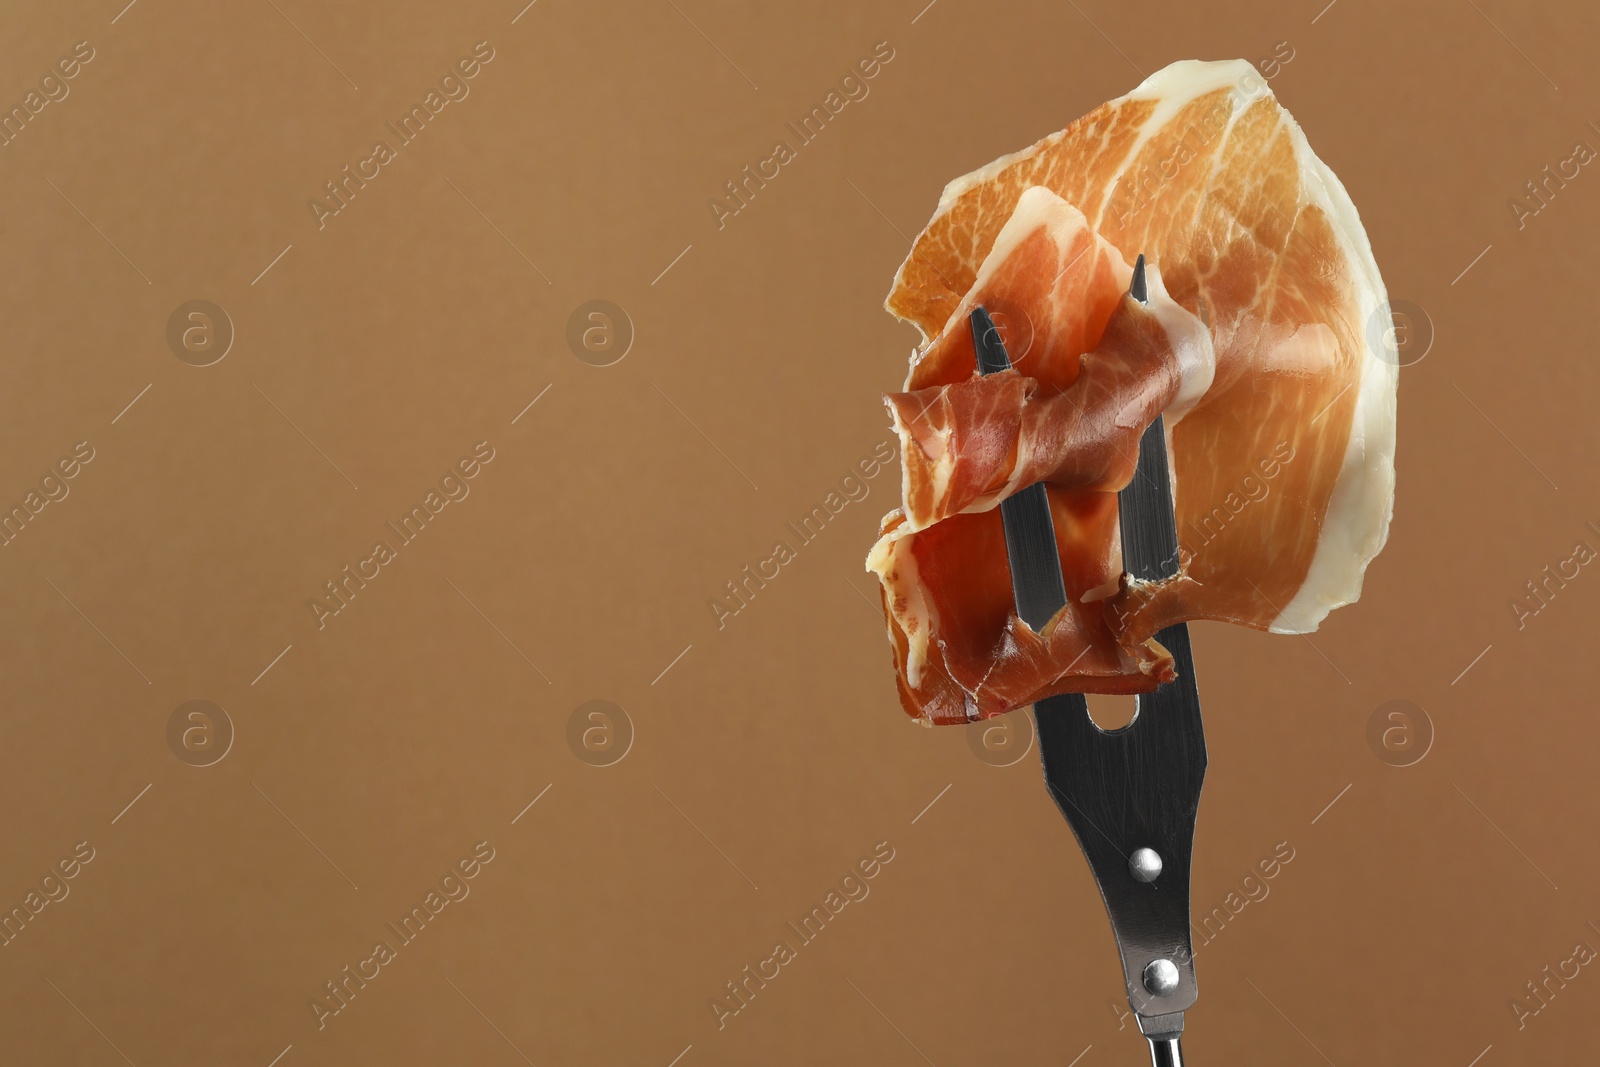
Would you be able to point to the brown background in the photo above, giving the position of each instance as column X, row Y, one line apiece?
column 429, row 713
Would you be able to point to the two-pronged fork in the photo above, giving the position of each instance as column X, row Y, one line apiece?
column 1130, row 795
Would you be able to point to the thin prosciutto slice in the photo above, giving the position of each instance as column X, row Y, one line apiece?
column 1058, row 416
column 1280, row 420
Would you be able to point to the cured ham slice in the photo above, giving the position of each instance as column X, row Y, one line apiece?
column 1280, row 418
column 1059, row 416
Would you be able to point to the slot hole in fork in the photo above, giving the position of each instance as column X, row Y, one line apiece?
column 1111, row 712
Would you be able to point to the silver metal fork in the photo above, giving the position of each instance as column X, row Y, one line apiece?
column 1130, row 795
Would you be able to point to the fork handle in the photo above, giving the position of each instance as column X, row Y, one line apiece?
column 1165, row 1052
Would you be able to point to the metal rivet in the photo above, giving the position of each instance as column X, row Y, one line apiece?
column 1161, row 977
column 1145, row 865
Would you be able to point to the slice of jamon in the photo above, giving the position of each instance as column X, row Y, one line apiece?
column 1060, row 416
column 1281, row 435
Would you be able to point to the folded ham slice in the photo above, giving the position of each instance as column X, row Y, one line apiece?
column 1060, row 416
column 1254, row 344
